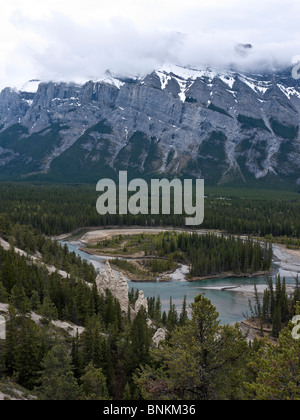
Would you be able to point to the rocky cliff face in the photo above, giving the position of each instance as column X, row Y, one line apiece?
column 220, row 125
column 116, row 283
column 159, row 336
column 141, row 303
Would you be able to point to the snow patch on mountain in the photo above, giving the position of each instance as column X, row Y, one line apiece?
column 112, row 81
column 186, row 73
column 228, row 80
column 257, row 87
column 289, row 91
column 132, row 112
column 164, row 79
column 186, row 77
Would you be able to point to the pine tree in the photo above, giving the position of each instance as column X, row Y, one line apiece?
column 91, row 343
column 277, row 367
column 94, row 384
column 266, row 307
column 284, row 303
column 35, row 301
column 48, row 310
column 3, row 294
column 258, row 307
column 57, row 381
column 164, row 319
column 11, row 339
column 127, row 393
column 28, row 353
column 8, row 271
column 157, row 311
column 172, row 316
column 139, row 341
column 277, row 324
column 20, row 300
column 202, row 360
column 75, row 356
column 184, row 315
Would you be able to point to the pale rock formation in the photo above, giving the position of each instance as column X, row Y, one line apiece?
column 116, row 284
column 159, row 336
column 150, row 323
column 141, row 302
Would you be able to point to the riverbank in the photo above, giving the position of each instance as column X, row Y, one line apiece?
column 135, row 246
column 93, row 237
column 229, row 296
column 254, row 331
column 132, row 265
column 143, row 278
column 166, row 275
column 230, row 275
column 245, row 290
column 286, row 262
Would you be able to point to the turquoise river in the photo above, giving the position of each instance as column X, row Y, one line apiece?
column 231, row 304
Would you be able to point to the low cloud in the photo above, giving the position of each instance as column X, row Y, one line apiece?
column 61, row 46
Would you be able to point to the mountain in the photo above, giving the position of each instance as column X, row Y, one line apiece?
column 224, row 126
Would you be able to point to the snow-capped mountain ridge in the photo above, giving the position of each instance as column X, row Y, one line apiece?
column 220, row 124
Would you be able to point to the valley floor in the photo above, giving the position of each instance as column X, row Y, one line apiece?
column 286, row 261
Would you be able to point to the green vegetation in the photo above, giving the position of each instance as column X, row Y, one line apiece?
column 249, row 123
column 207, row 254
column 133, row 154
column 208, row 148
column 45, row 359
column 170, row 157
column 67, row 165
column 40, row 145
column 147, row 269
column 215, row 108
column 54, row 210
column 134, row 271
column 205, row 361
column 288, row 132
column 276, row 308
column 112, row 355
column 276, row 369
column 48, row 251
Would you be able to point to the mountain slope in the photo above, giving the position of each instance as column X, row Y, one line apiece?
column 220, row 125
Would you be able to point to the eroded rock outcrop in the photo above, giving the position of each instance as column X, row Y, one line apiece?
column 141, row 302
column 159, row 336
column 116, row 283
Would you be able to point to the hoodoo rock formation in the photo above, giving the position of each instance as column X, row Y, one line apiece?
column 114, row 282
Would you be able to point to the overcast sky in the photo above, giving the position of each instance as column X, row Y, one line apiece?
column 77, row 40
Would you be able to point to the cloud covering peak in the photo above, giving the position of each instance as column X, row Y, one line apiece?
column 78, row 41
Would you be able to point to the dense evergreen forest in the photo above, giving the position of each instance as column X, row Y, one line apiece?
column 42, row 358
column 112, row 354
column 207, row 254
column 54, row 210
column 114, row 357
column 277, row 307
column 211, row 254
column 49, row 252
